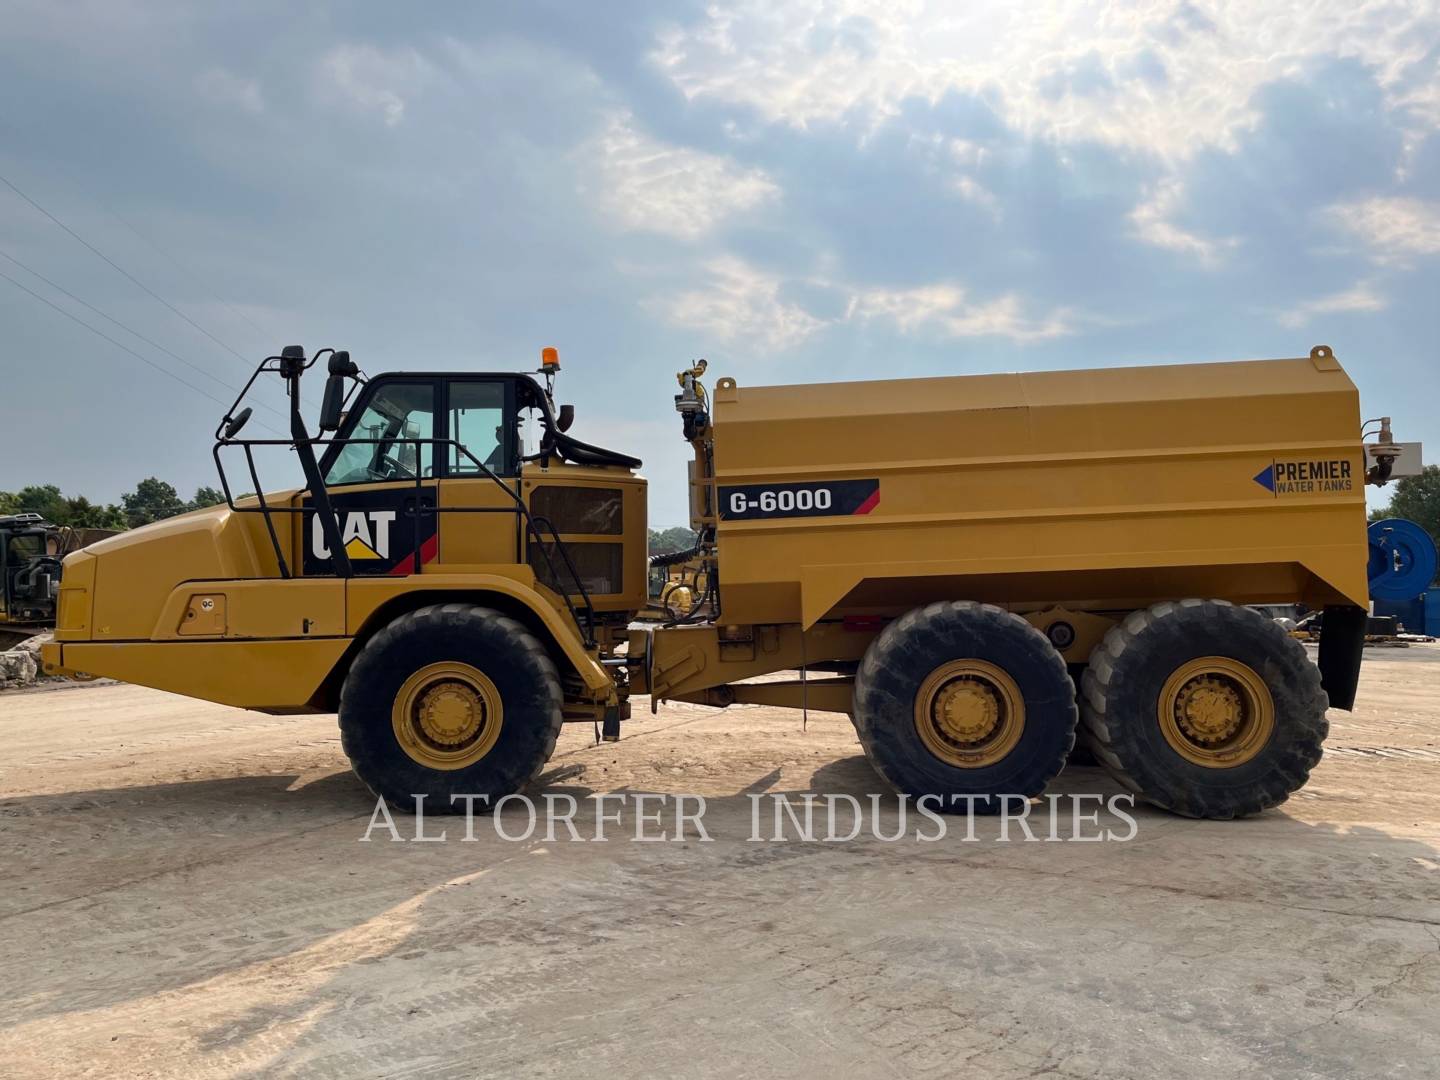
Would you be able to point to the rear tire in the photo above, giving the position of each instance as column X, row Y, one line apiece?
column 452, row 699
column 1205, row 709
column 964, row 699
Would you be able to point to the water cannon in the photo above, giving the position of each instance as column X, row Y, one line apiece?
column 692, row 403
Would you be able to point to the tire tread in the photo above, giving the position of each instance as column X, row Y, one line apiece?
column 1120, row 754
column 458, row 621
column 889, row 649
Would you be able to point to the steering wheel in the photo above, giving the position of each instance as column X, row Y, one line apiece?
column 392, row 468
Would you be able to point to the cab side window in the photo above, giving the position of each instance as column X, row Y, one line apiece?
column 394, row 414
column 478, row 423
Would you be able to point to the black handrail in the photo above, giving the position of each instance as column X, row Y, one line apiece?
column 532, row 523
column 290, row 365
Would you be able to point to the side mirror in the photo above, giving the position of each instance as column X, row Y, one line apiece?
column 292, row 361
column 238, row 421
column 332, row 403
column 566, row 417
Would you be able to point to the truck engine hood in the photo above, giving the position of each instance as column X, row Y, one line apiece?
column 127, row 578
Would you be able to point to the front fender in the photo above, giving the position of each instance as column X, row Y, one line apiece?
column 369, row 600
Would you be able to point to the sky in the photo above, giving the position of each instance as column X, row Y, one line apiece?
column 807, row 191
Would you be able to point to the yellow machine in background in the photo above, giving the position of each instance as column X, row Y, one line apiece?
column 956, row 551
column 681, row 586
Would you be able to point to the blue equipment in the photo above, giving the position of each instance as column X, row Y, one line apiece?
column 1402, row 560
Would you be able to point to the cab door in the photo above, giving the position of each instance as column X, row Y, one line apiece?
column 480, row 525
column 381, row 475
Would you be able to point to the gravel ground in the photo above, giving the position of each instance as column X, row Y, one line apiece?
column 187, row 894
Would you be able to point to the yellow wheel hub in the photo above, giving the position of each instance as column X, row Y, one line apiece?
column 969, row 713
column 1216, row 712
column 447, row 715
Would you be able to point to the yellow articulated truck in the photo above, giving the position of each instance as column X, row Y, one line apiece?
column 944, row 559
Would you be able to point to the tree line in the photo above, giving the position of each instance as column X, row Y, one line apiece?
column 664, row 541
column 152, row 500
column 1415, row 497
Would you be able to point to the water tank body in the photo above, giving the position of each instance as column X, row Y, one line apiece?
column 1104, row 489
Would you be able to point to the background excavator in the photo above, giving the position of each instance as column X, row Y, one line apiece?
column 31, row 552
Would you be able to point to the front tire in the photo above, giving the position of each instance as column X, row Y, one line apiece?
column 1204, row 708
column 966, row 703
column 450, row 700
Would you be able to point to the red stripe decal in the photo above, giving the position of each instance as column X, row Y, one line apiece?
column 870, row 503
column 428, row 550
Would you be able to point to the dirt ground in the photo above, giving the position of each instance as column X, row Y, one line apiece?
column 186, row 893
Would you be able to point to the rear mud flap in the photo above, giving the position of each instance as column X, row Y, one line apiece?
column 1342, row 645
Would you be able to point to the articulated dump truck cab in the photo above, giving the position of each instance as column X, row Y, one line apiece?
column 946, row 560
column 234, row 631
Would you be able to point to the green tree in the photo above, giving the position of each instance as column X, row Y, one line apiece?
column 206, row 496
column 1416, row 498
column 59, row 509
column 81, row 513
column 678, row 538
column 42, row 499
column 151, row 500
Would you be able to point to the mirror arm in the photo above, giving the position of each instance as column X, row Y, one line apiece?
column 305, row 450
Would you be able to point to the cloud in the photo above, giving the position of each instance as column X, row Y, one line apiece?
column 740, row 302
column 1362, row 298
column 1080, row 76
column 1395, row 228
column 737, row 302
column 1145, row 65
column 1318, row 140
column 1153, row 225
column 1157, row 78
column 372, row 80
column 224, row 87
column 651, row 186
column 946, row 311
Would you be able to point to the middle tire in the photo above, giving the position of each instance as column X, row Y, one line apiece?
column 965, row 699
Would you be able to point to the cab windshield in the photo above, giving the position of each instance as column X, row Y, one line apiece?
column 395, row 414
column 25, row 547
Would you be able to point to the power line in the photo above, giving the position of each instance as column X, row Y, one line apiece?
column 120, row 345
column 183, row 268
column 120, row 269
column 174, row 260
column 186, row 269
column 111, row 319
column 137, row 282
